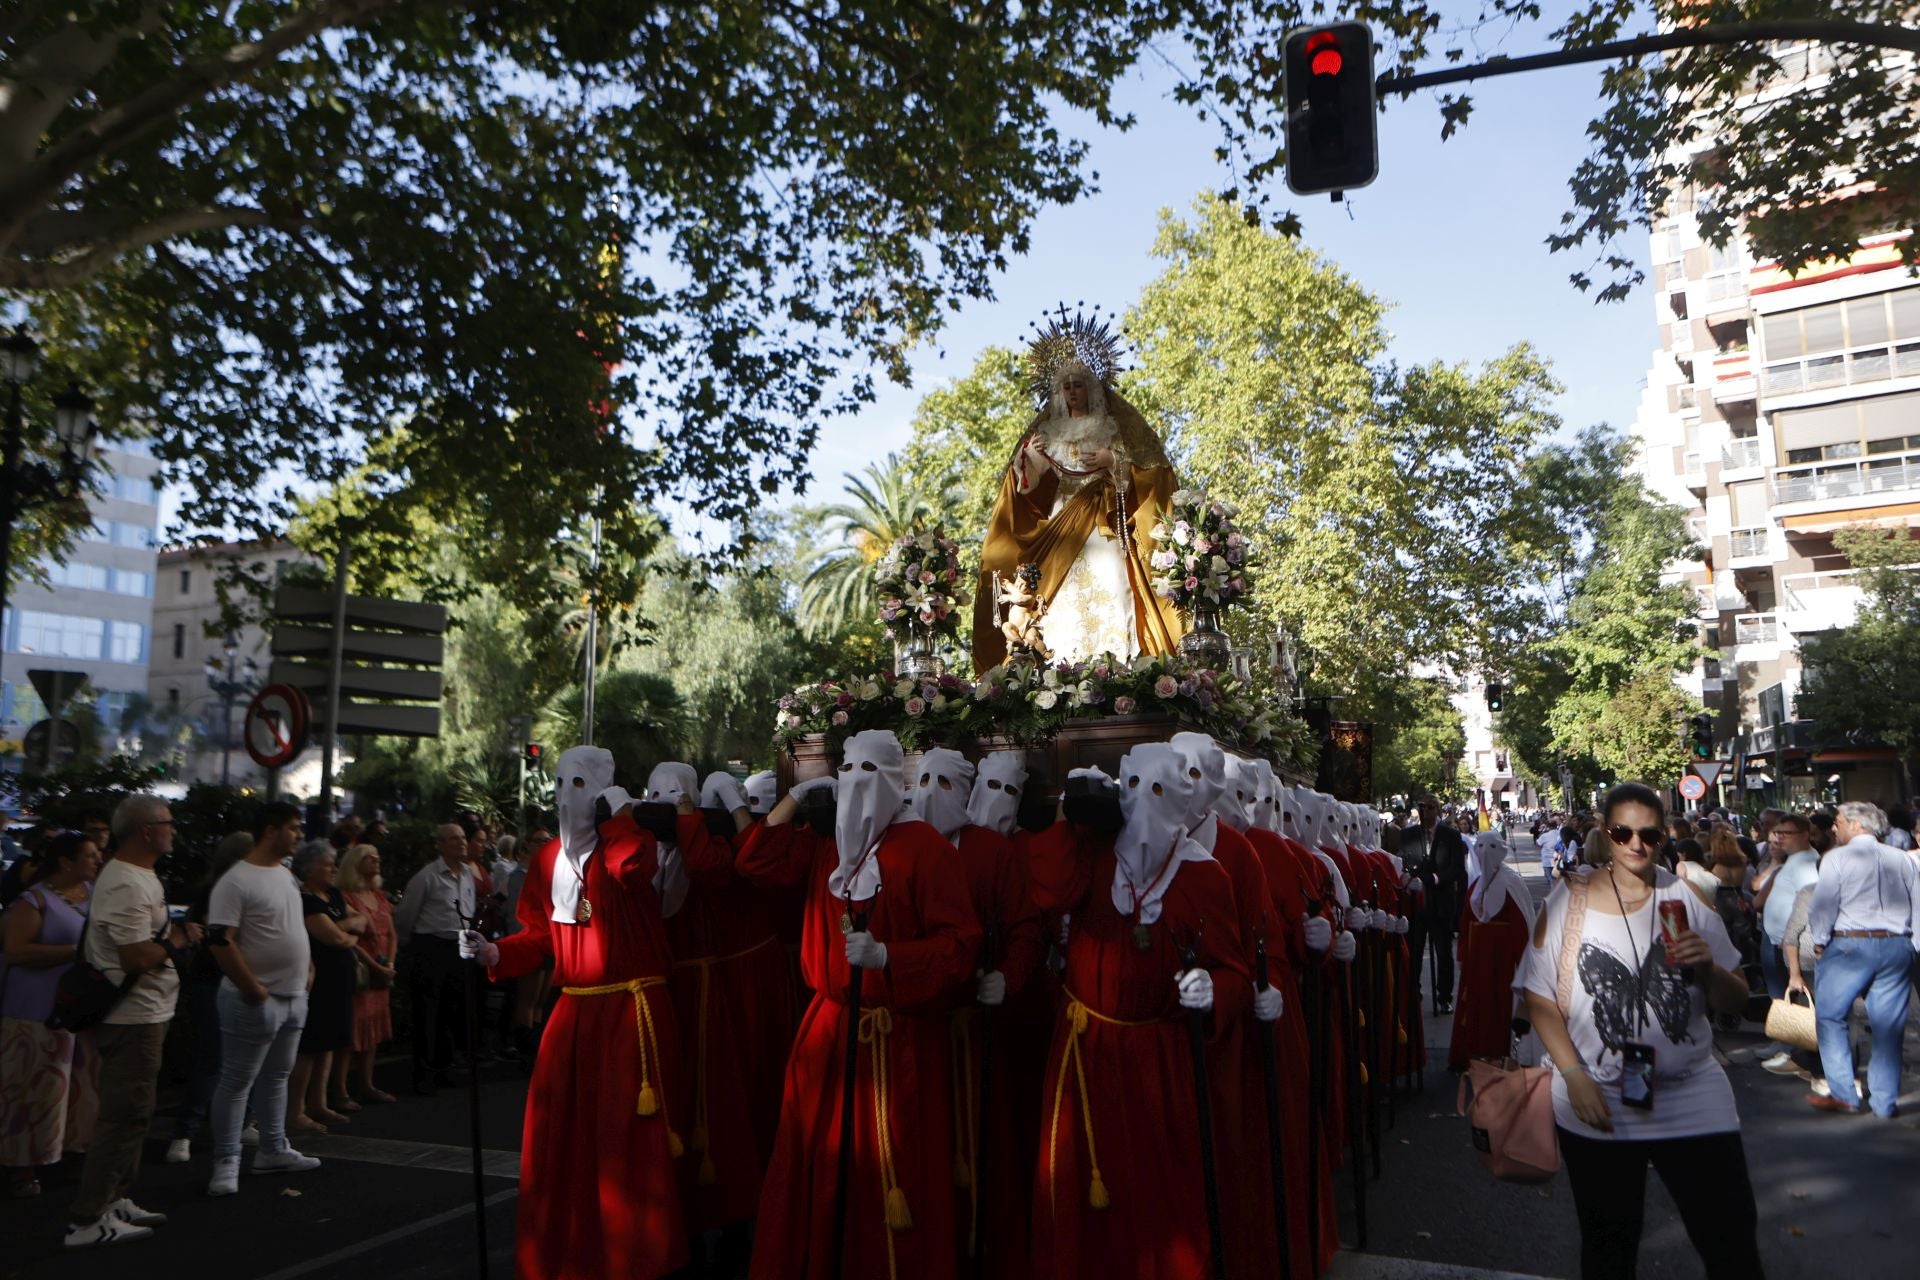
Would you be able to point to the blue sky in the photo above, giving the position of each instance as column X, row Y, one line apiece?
column 1451, row 234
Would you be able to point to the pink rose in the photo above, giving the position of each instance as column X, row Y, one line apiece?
column 1193, row 584
column 793, row 722
column 1123, row 705
column 915, row 706
column 1166, row 686
column 839, row 717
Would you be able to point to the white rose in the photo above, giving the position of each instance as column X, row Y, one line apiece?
column 1045, row 699
column 903, row 688
column 1183, row 497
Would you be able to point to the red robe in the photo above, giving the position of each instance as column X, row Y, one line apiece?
column 731, row 994
column 1490, row 952
column 1291, row 882
column 997, row 881
column 1120, row 1047
column 598, row 1195
column 903, row 1135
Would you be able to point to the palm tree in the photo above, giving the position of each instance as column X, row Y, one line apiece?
column 885, row 502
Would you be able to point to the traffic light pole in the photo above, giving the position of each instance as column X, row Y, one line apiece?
column 1822, row 30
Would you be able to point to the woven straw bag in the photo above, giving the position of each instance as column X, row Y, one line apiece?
column 1793, row 1024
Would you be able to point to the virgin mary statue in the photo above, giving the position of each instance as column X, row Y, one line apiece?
column 1070, row 504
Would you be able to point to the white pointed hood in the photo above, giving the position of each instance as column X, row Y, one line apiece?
column 941, row 792
column 1266, row 796
column 583, row 773
column 1240, row 798
column 763, row 791
column 867, row 800
column 1496, row 882
column 1156, row 795
column 995, row 802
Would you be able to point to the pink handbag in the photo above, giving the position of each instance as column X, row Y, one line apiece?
column 1511, row 1111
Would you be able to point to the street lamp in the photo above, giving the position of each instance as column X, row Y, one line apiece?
column 237, row 681
column 26, row 485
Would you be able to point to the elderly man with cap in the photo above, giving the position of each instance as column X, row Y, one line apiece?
column 997, row 882
column 887, row 906
column 1120, row 1190
column 598, row 1192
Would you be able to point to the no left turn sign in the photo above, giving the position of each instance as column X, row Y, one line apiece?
column 276, row 727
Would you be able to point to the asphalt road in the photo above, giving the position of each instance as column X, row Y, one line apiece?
column 394, row 1197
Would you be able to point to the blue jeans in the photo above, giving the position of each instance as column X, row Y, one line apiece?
column 257, row 1047
column 203, row 1002
column 1774, row 965
column 1880, row 967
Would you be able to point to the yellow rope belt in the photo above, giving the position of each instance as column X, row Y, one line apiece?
column 964, row 1126
column 1077, row 1015
column 876, row 1026
column 705, row 965
column 649, row 1103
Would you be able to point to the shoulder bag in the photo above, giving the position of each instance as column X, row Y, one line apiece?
column 1511, row 1107
column 85, row 994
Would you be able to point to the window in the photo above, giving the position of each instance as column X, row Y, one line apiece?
column 132, row 535
column 179, row 640
column 186, row 581
column 59, row 635
column 1842, row 343
column 173, row 697
column 131, row 582
column 86, row 577
column 126, row 642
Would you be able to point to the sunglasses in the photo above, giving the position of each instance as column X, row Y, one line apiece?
column 1651, row 837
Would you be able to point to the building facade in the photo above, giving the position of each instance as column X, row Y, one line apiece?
column 92, row 613
column 203, row 673
column 1779, row 410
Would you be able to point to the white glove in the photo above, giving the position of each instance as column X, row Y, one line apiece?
column 991, row 990
column 1382, row 922
column 1400, row 924
column 1089, row 773
column 1318, row 932
column 1196, row 989
column 864, row 953
column 722, row 790
column 1343, row 947
column 801, row 790
column 474, row 946
column 1267, row 1005
column 1359, row 918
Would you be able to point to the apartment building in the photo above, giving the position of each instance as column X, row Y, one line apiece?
column 1779, row 410
column 192, row 667
column 92, row 613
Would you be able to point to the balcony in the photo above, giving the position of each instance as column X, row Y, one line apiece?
column 1854, row 478
column 1733, row 380
column 1748, row 544
column 1742, row 453
column 1843, row 369
column 1693, row 472
column 1756, row 628
column 1823, row 601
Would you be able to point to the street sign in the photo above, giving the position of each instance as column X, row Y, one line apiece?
column 65, row 743
column 1693, row 787
column 276, row 726
column 303, row 604
column 360, row 682
column 389, row 651
column 1710, row 770
column 55, row 687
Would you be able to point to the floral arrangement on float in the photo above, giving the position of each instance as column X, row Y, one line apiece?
column 1200, row 567
column 1026, row 703
column 920, row 585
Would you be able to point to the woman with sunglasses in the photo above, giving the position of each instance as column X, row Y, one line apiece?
column 1624, row 966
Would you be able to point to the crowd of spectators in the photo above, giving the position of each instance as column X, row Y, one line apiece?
column 283, row 963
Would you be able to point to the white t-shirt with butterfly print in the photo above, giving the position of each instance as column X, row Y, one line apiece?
column 1691, row 1094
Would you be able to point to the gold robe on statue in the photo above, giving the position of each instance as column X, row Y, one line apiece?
column 1025, row 529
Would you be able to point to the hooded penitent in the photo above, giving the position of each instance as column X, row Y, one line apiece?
column 940, row 796
column 1156, row 795
column 721, row 790
column 995, row 802
column 584, row 773
column 1497, row 882
column 872, row 785
column 670, row 781
column 1265, row 810
column 762, row 790
column 1207, row 768
column 1241, row 794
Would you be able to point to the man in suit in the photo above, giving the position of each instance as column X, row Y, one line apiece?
column 1445, row 875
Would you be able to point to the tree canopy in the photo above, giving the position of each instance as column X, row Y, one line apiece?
column 1863, row 680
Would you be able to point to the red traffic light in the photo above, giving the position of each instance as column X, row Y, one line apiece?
column 1323, row 54
column 533, row 753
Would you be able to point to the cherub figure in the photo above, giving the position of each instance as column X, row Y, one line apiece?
column 1021, row 608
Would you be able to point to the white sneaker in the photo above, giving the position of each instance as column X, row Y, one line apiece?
column 179, row 1151
column 226, row 1177
column 1781, row 1064
column 1822, row 1088
column 250, row 1136
column 129, row 1212
column 108, row 1230
column 288, row 1161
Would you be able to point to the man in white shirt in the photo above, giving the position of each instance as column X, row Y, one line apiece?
column 1862, row 924
column 128, row 936
column 257, row 934
column 1790, row 866
column 439, row 903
